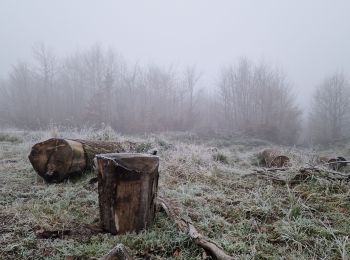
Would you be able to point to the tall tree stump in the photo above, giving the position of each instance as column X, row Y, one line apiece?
column 127, row 189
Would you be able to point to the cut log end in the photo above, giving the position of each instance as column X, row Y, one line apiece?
column 272, row 158
column 54, row 158
column 58, row 159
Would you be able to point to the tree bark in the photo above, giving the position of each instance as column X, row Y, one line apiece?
column 58, row 159
column 127, row 188
column 273, row 158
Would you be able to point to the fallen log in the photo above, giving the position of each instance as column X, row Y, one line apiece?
column 58, row 159
column 186, row 226
column 273, row 158
column 127, row 190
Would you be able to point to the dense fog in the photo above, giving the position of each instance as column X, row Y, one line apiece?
column 274, row 71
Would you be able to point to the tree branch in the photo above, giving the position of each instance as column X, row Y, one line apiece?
column 186, row 226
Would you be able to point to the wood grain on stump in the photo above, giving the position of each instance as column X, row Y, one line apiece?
column 127, row 187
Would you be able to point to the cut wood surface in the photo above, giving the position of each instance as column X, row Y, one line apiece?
column 187, row 227
column 58, row 159
column 127, row 188
column 274, row 158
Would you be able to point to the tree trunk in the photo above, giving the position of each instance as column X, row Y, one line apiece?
column 58, row 159
column 127, row 189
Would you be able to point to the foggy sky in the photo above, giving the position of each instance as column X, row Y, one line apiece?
column 308, row 40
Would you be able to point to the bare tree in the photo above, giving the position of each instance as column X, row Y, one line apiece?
column 22, row 97
column 4, row 104
column 191, row 77
column 97, row 86
column 329, row 119
column 44, row 73
column 258, row 101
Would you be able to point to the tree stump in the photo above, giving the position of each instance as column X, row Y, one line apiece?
column 127, row 189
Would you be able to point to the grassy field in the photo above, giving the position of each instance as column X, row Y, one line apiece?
column 208, row 181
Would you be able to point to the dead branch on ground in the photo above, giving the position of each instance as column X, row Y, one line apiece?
column 186, row 226
column 303, row 174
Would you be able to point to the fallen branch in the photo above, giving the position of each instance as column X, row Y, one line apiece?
column 50, row 234
column 8, row 161
column 302, row 175
column 273, row 169
column 259, row 171
column 76, row 231
column 187, row 227
column 336, row 175
column 335, row 162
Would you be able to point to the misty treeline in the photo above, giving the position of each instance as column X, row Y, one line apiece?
column 329, row 119
column 98, row 87
column 258, row 101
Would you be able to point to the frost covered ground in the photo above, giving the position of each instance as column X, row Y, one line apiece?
column 211, row 181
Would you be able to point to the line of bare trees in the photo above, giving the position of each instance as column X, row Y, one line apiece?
column 258, row 101
column 98, row 86
column 95, row 87
column 329, row 118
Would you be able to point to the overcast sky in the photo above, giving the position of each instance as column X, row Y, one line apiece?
column 307, row 39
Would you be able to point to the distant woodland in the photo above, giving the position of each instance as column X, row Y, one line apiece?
column 98, row 87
